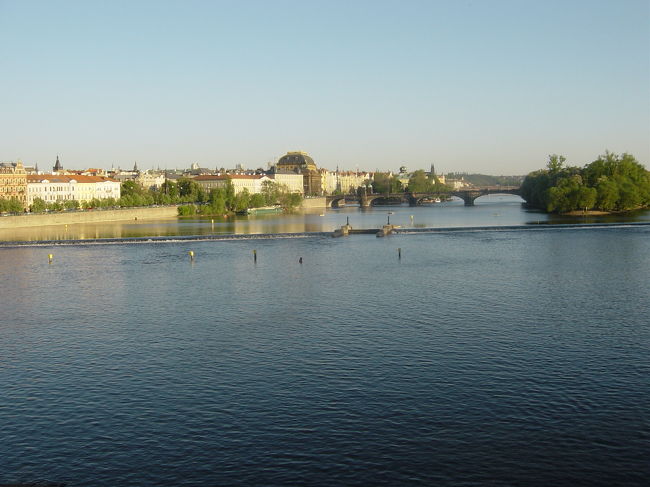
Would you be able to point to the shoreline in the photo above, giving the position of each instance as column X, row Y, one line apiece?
column 86, row 216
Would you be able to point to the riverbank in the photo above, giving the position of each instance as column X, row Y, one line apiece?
column 87, row 216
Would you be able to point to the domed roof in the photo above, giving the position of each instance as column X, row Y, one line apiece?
column 297, row 159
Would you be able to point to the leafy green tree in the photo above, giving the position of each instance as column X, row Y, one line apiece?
column 555, row 163
column 271, row 191
column 71, row 205
column 11, row 205
column 242, row 200
column 38, row 205
column 385, row 183
column 257, row 200
column 419, row 182
column 607, row 194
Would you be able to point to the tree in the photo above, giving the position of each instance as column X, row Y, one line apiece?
column 257, row 200
column 38, row 205
column 71, row 205
column 419, row 183
column 609, row 183
column 383, row 182
column 242, row 200
column 555, row 163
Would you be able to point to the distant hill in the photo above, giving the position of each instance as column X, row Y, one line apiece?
column 486, row 180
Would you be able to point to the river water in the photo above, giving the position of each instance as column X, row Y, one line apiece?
column 492, row 356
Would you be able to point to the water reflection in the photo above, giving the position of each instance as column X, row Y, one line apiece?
column 491, row 210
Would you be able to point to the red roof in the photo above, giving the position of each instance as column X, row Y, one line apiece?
column 66, row 178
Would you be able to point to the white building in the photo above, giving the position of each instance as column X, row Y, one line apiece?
column 54, row 187
column 251, row 182
column 150, row 180
column 290, row 180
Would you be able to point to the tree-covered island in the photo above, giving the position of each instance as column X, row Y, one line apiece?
column 611, row 183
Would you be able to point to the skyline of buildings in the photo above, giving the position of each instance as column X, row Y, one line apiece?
column 296, row 171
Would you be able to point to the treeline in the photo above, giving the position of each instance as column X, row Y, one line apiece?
column 11, row 205
column 421, row 182
column 184, row 190
column 132, row 194
column 221, row 201
column 482, row 180
column 610, row 183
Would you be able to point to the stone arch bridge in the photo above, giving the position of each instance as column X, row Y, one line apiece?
column 468, row 195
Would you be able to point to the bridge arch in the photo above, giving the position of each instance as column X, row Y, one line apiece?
column 485, row 196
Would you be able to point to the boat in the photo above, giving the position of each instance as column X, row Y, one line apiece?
column 263, row 210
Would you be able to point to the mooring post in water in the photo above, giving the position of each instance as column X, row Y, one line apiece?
column 399, row 252
column 254, row 255
column 300, row 260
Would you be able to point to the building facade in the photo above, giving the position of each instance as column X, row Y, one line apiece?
column 301, row 163
column 53, row 188
column 253, row 183
column 294, row 183
column 13, row 182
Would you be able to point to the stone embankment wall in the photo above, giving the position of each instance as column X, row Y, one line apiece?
column 314, row 202
column 70, row 217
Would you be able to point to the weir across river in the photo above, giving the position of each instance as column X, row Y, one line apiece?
column 468, row 195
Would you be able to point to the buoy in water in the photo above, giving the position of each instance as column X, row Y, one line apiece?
column 191, row 252
column 49, row 258
column 300, row 260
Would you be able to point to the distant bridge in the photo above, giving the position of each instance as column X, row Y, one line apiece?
column 413, row 199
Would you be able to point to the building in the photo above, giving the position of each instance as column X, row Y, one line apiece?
column 13, row 181
column 301, row 163
column 329, row 181
column 150, row 179
column 53, row 188
column 253, row 183
column 293, row 182
column 349, row 181
column 58, row 167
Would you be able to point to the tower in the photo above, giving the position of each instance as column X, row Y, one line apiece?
column 57, row 166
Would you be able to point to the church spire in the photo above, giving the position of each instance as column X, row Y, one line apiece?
column 57, row 165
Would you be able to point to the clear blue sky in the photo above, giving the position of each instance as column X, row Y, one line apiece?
column 477, row 86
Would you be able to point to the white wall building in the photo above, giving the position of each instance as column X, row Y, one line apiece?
column 292, row 181
column 52, row 188
column 251, row 182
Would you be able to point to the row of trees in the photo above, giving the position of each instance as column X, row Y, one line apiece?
column 610, row 183
column 215, row 201
column 223, row 200
column 482, row 180
column 419, row 182
column 11, row 205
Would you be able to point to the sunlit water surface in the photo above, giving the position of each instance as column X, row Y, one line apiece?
column 490, row 357
column 492, row 210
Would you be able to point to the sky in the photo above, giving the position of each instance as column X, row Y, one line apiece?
column 481, row 86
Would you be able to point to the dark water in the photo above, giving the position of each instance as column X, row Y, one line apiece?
column 488, row 357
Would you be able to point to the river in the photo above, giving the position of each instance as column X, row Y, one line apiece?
column 491, row 356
